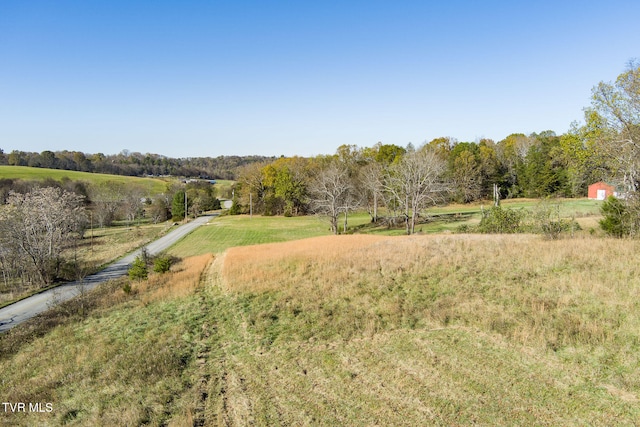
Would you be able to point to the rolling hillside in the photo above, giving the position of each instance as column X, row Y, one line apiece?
column 154, row 185
column 350, row 330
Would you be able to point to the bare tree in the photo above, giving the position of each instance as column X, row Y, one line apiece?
column 106, row 199
column 9, row 260
column 372, row 180
column 132, row 203
column 332, row 193
column 415, row 182
column 159, row 209
column 38, row 225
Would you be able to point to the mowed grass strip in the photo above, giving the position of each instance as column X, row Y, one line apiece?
column 407, row 377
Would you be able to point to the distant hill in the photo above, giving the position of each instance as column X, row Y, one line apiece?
column 155, row 185
column 133, row 164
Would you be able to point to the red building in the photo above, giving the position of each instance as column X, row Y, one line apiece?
column 601, row 190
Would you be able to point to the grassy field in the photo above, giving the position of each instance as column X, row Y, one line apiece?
column 224, row 189
column 128, row 362
column 103, row 245
column 349, row 330
column 154, row 185
column 228, row 231
column 365, row 329
column 451, row 217
column 431, row 330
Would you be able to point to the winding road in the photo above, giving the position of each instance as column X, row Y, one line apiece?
column 27, row 308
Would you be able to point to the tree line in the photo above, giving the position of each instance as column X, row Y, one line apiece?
column 406, row 180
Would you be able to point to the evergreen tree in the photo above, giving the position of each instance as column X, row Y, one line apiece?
column 138, row 270
column 177, row 206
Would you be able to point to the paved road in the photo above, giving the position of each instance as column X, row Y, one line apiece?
column 25, row 309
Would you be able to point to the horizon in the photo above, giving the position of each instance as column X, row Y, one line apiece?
column 245, row 78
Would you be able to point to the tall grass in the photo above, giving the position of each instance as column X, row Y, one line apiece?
column 534, row 291
column 445, row 330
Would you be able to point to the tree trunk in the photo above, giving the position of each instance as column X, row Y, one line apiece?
column 406, row 215
column 375, row 207
column 345, row 222
column 334, row 225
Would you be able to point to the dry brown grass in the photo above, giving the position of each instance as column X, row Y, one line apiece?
column 108, row 244
column 356, row 330
column 481, row 279
column 428, row 330
column 264, row 267
column 182, row 280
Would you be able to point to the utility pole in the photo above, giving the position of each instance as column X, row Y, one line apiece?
column 185, row 205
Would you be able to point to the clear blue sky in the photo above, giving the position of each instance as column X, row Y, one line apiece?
column 208, row 78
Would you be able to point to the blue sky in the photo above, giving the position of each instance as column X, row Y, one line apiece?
column 208, row 78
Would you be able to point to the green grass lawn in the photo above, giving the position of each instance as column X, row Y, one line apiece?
column 228, row 231
column 154, row 185
column 568, row 207
column 451, row 217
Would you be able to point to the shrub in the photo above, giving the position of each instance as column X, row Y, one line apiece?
column 161, row 264
column 498, row 220
column 464, row 228
column 547, row 221
column 616, row 219
column 217, row 205
column 236, row 208
column 138, row 270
